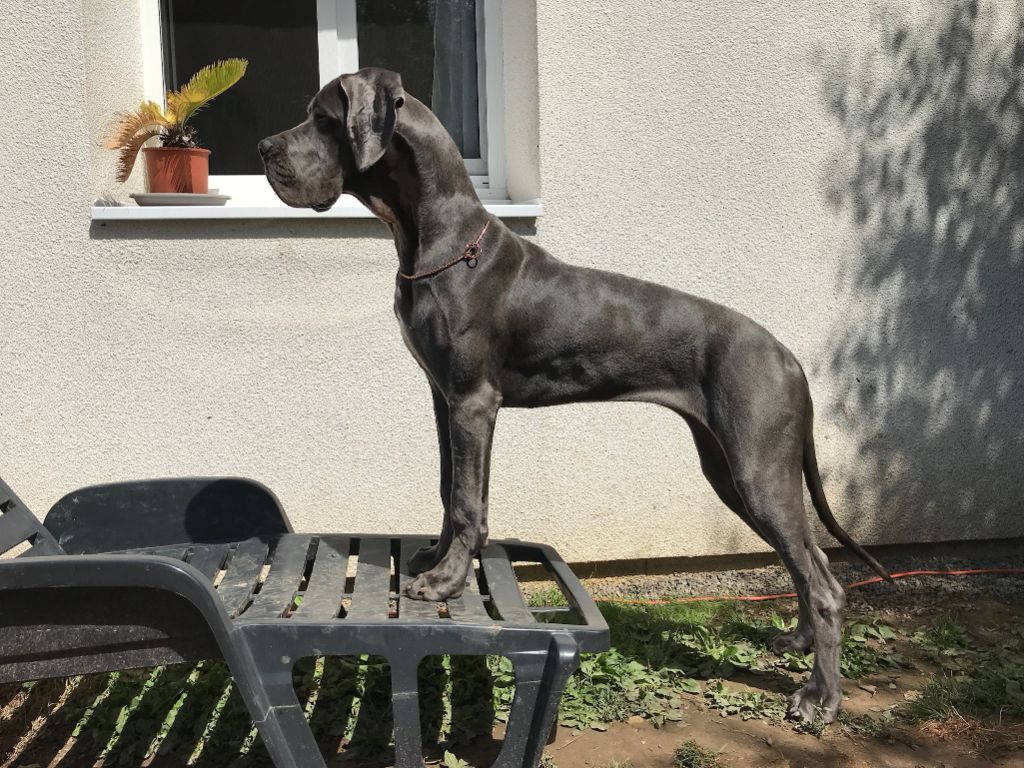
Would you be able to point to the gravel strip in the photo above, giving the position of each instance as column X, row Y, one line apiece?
column 912, row 595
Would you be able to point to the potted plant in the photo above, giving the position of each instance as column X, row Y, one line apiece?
column 180, row 164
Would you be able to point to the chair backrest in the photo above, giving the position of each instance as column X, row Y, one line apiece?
column 152, row 513
column 19, row 528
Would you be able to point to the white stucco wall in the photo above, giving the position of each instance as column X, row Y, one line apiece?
column 777, row 161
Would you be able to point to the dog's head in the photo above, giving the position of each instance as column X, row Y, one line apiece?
column 348, row 127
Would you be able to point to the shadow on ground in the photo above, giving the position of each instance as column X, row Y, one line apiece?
column 193, row 715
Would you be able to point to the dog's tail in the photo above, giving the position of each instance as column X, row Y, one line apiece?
column 813, row 479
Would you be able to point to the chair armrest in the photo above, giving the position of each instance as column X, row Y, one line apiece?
column 102, row 572
column 153, row 513
column 71, row 615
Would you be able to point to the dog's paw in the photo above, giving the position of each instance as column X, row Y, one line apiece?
column 423, row 560
column 432, row 588
column 809, row 702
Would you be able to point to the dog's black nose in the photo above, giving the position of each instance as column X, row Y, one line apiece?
column 265, row 146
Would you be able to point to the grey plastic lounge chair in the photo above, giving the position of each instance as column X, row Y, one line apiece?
column 163, row 572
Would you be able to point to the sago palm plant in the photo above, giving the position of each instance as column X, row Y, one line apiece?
column 170, row 123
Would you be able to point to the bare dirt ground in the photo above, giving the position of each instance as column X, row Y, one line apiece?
column 753, row 744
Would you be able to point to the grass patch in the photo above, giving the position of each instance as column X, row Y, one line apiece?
column 691, row 755
column 547, row 597
column 977, row 679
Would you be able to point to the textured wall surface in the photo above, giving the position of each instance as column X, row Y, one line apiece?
column 846, row 174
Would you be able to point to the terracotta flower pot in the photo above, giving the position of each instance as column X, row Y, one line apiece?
column 178, row 169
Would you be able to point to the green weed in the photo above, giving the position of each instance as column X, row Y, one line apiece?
column 610, row 687
column 691, row 755
column 868, row 646
column 881, row 727
column 749, row 705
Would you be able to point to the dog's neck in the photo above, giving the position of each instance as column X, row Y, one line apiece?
column 422, row 191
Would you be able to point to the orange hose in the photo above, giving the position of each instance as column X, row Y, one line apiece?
column 759, row 598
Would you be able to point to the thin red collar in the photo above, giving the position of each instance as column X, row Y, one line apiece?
column 470, row 255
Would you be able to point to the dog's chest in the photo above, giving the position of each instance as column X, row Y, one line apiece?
column 422, row 329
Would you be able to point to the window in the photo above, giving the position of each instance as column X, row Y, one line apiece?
column 447, row 51
column 280, row 42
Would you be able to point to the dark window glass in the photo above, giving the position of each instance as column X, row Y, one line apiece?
column 280, row 41
column 433, row 45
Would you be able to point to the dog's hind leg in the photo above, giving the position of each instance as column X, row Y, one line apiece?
column 716, row 471
column 715, row 467
column 428, row 557
column 768, row 477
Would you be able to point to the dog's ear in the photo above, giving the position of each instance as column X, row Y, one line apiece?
column 373, row 97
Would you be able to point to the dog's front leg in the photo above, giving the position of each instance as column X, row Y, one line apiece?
column 428, row 557
column 471, row 424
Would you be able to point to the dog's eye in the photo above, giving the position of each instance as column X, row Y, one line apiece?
column 323, row 122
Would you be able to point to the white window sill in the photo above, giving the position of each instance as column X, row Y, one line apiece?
column 346, row 208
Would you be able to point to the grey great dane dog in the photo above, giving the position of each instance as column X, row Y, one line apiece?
column 500, row 322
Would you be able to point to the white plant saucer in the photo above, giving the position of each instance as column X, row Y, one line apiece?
column 179, row 198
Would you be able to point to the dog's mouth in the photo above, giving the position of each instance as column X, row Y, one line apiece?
column 280, row 178
column 294, row 189
column 283, row 183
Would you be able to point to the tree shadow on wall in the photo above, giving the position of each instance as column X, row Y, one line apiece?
column 930, row 352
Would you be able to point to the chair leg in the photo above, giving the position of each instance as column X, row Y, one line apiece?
column 563, row 660
column 529, row 671
column 405, row 703
column 269, row 695
column 540, row 680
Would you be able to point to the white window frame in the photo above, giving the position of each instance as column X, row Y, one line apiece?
column 339, row 53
